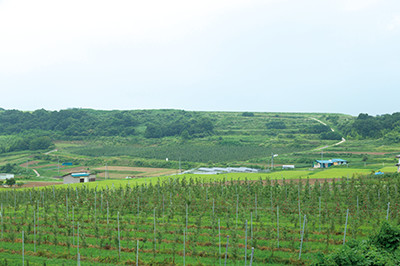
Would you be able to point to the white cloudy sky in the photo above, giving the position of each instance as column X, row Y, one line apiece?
column 271, row 55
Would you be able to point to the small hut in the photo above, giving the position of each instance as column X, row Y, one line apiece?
column 82, row 177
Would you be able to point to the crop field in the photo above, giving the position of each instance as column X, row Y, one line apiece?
column 187, row 221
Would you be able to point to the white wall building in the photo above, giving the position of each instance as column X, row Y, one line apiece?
column 72, row 178
column 4, row 176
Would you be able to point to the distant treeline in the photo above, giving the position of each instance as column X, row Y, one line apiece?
column 70, row 123
column 373, row 127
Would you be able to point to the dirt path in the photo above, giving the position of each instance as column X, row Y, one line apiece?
column 36, row 172
column 50, row 151
column 327, row 146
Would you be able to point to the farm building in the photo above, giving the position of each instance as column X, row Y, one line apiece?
column 83, row 177
column 4, row 176
column 221, row 170
column 288, row 166
column 328, row 163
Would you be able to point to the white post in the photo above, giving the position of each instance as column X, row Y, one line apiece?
column 73, row 226
column 387, row 212
column 345, row 227
column 34, row 231
column 138, row 204
column 319, row 216
column 277, row 222
column 219, row 237
column 245, row 246
column 252, row 255
column 357, row 205
column 251, row 226
column 299, row 210
column 256, row 204
column 154, row 219
column 186, row 217
column 213, row 207
column 23, row 251
column 302, row 236
column 107, row 212
column 66, row 204
column 226, row 251
column 77, row 241
column 1, row 214
column 184, row 246
column 119, row 238
column 137, row 252
column 237, row 209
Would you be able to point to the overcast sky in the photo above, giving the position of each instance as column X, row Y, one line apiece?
column 338, row 56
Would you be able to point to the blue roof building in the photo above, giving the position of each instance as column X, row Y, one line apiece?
column 328, row 163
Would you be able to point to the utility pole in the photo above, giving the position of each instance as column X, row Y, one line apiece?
column 272, row 160
column 58, row 165
column 105, row 173
column 180, row 171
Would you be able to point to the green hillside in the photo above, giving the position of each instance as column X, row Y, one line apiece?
column 145, row 138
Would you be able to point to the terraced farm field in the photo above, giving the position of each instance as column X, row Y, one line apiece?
column 187, row 221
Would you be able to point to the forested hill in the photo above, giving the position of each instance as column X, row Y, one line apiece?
column 70, row 123
column 386, row 127
column 36, row 130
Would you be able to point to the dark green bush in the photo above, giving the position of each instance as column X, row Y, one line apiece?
column 380, row 249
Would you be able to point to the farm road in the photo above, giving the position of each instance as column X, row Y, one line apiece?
column 327, row 146
column 36, row 172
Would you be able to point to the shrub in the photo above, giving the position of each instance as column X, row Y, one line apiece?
column 377, row 250
column 248, row 114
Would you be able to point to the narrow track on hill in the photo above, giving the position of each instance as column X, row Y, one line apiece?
column 327, row 146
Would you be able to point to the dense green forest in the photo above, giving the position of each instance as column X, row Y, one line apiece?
column 78, row 123
column 373, row 127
